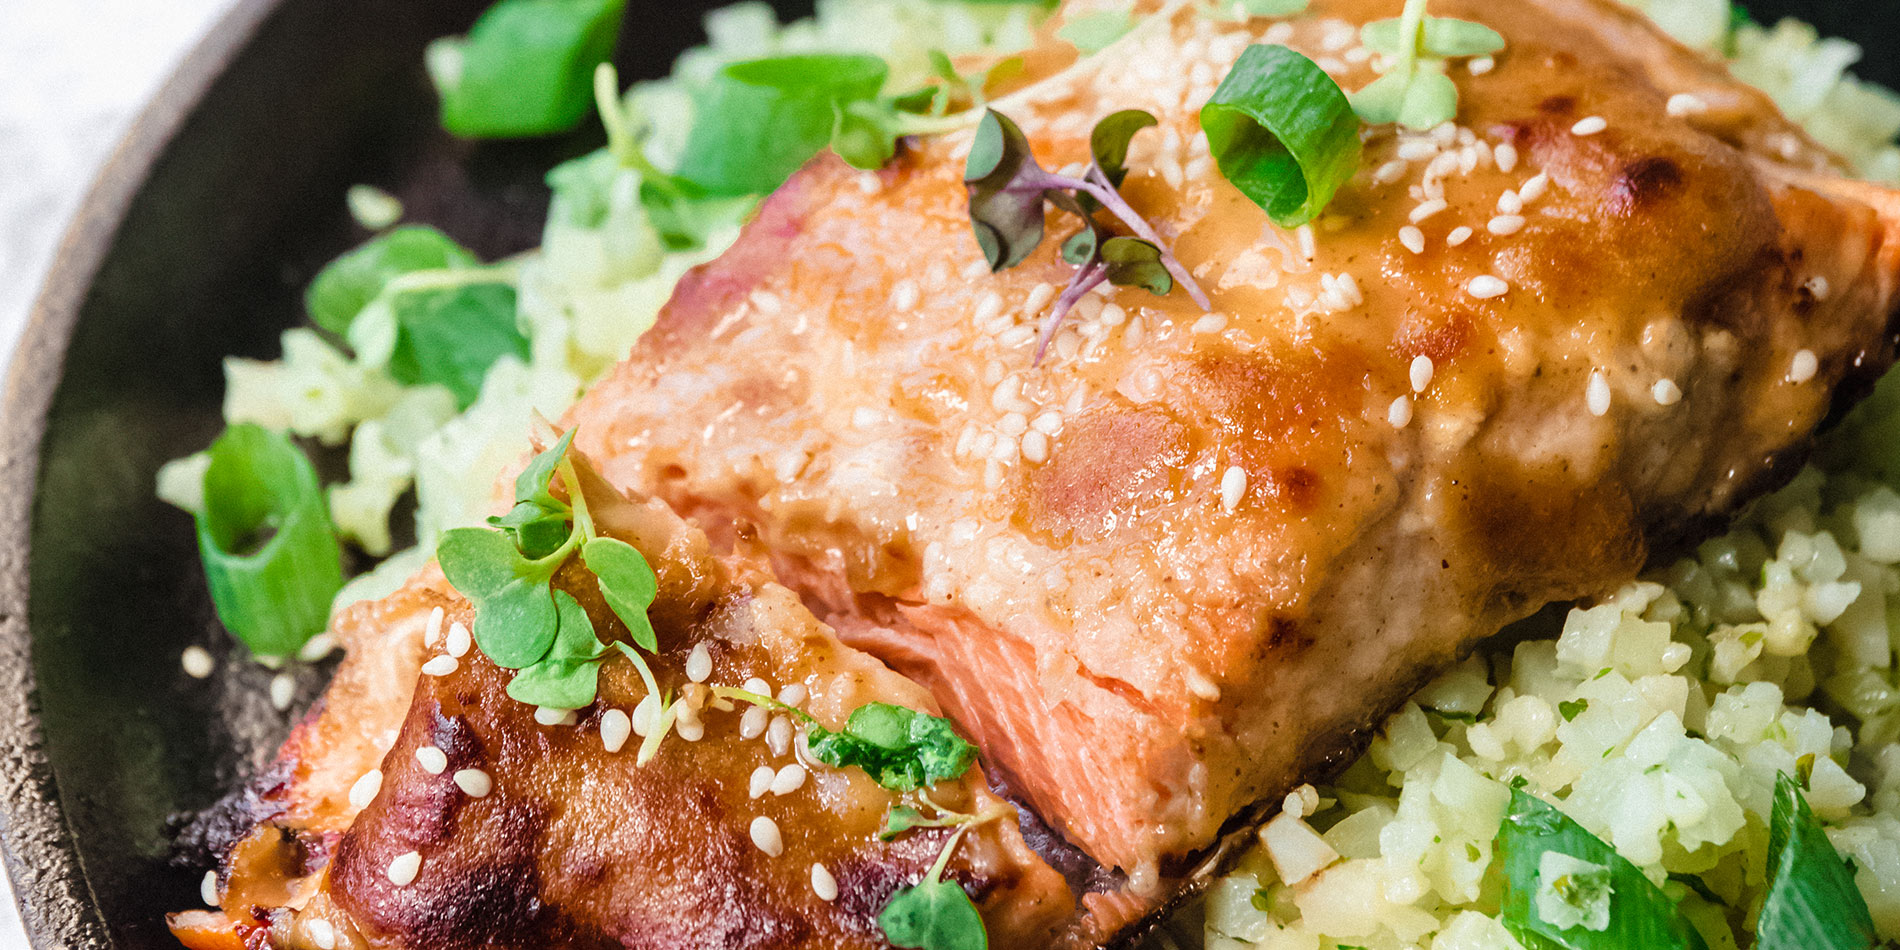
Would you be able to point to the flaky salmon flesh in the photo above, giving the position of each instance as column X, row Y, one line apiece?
column 1178, row 566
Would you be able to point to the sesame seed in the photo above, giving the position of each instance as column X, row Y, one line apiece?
column 403, row 870
column 1417, row 150
column 1114, row 315
column 766, row 836
column 645, row 713
column 1035, row 447
column 615, row 727
column 433, row 760
column 761, row 781
column 1533, row 187
column 432, row 631
column 1481, row 65
column 459, row 640
column 699, row 663
column 1510, row 202
column 752, row 722
column 1506, row 155
column 1013, row 424
column 440, row 666
column 1818, row 287
column 988, row 308
column 975, row 269
column 1039, row 297
column 1426, row 209
column 1309, row 245
column 788, row 779
column 1399, row 414
column 1485, row 287
column 364, row 790
column 283, row 689
column 475, row 783
column 317, row 647
column 1458, row 235
column 1412, row 238
column 823, row 884
column 1685, row 103
column 1505, row 225
column 1211, row 323
column 904, row 295
column 1233, row 487
column 778, row 735
column 322, row 934
column 1421, row 372
column 1596, row 396
column 1804, row 367
column 208, row 888
column 692, row 730
column 197, row 662
column 794, row 694
column 757, row 685
column 1666, row 392
column 1391, row 171
column 550, row 716
column 1590, row 125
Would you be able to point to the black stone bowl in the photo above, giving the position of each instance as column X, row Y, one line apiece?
column 195, row 242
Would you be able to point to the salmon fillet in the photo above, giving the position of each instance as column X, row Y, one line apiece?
column 1179, row 564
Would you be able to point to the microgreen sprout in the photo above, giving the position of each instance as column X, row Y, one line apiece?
column 1416, row 93
column 935, row 914
column 1008, row 193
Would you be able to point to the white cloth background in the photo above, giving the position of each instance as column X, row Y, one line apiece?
column 75, row 72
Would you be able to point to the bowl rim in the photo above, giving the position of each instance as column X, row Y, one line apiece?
column 56, row 904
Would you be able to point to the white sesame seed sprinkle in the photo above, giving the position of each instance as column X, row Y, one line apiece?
column 317, row 647
column 765, row 835
column 1035, row 447
column 823, row 884
column 1039, row 297
column 459, row 640
column 433, row 760
column 1481, row 65
column 1233, row 487
column 752, row 722
column 1596, row 396
column 987, row 308
column 1485, row 287
column 904, row 295
column 440, row 665
column 778, row 735
column 788, row 779
column 1412, row 238
column 1426, row 209
column 1458, row 235
column 615, row 727
column 1666, row 392
column 1506, row 156
column 1590, row 125
column 403, row 870
column 1417, row 150
column 197, row 662
column 364, row 789
column 322, row 934
column 699, row 663
column 1818, row 287
column 1399, row 413
column 1532, row 188
column 793, row 694
column 757, row 685
column 1505, row 225
column 283, row 689
column 208, row 888
column 760, row 782
column 691, row 730
column 1211, row 323
column 1421, row 372
column 1391, row 171
column 1804, row 367
column 550, row 716
column 432, row 631
column 474, row 783
column 1686, row 104
column 1510, row 202
column 645, row 713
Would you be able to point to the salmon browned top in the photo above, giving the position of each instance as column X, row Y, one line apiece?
column 435, row 811
column 1173, row 567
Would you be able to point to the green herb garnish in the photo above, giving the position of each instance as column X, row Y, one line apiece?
column 1282, row 132
column 1570, row 709
column 526, row 67
column 1812, row 902
column 764, row 118
column 1009, row 191
column 348, row 284
column 1416, row 93
column 450, row 336
column 1094, row 32
column 1597, row 886
column 900, row 748
column 934, row 914
column 270, row 556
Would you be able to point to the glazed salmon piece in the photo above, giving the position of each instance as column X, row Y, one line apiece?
column 1180, row 564
column 531, row 834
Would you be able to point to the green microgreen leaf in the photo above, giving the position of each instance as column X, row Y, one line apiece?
column 1441, row 37
column 762, row 119
column 452, row 336
column 864, row 133
column 270, row 556
column 628, row 584
column 1570, row 709
column 933, row 915
column 1418, row 99
column 568, row 676
column 526, row 68
column 902, row 818
column 348, row 284
column 515, row 618
column 536, row 531
column 1094, row 32
column 1133, row 262
column 1271, row 8
column 1604, row 901
column 1081, row 247
column 900, row 748
column 535, row 484
column 1108, row 141
column 1282, row 132
column 1812, row 902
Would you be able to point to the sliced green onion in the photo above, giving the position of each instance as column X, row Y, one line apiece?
column 763, row 119
column 270, row 556
column 1283, row 132
column 1812, row 903
column 526, row 68
column 346, row 285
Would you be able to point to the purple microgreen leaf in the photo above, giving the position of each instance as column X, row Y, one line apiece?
column 1081, row 246
column 1132, row 262
column 1086, row 278
column 1108, row 143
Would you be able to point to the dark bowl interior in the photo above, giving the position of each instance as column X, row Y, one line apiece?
column 222, row 203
